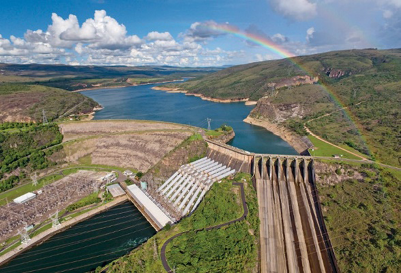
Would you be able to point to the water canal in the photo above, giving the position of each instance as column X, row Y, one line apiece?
column 89, row 244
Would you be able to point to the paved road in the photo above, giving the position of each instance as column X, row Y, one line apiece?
column 244, row 215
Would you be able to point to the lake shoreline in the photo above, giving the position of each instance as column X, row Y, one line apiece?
column 280, row 131
column 177, row 90
column 123, row 86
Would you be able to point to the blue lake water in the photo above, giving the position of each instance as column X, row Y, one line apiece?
column 142, row 102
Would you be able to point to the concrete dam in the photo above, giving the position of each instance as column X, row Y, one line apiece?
column 293, row 236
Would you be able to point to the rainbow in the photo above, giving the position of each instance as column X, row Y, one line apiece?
column 277, row 49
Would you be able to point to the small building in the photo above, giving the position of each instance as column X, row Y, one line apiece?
column 128, row 173
column 25, row 198
column 115, row 190
column 144, row 185
column 110, row 177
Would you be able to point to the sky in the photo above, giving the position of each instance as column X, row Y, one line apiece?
column 188, row 32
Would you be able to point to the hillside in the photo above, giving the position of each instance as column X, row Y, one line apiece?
column 25, row 103
column 72, row 78
column 364, row 83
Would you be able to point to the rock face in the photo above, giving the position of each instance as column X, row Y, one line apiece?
column 271, row 116
column 276, row 112
column 294, row 81
column 335, row 73
column 172, row 161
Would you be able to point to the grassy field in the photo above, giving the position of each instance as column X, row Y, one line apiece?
column 325, row 149
column 362, row 217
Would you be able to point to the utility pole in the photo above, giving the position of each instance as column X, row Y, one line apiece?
column 55, row 221
column 208, row 123
column 45, row 121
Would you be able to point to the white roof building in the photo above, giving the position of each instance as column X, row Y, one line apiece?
column 25, row 198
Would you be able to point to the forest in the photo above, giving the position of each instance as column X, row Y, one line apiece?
column 24, row 147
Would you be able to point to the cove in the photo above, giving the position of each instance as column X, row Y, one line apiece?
column 142, row 102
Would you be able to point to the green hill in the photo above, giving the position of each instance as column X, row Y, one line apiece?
column 366, row 83
column 25, row 103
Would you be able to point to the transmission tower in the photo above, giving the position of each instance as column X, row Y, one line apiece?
column 34, row 178
column 45, row 121
column 24, row 235
column 95, row 187
column 55, row 221
column 208, row 123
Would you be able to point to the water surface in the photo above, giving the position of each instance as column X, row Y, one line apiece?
column 94, row 242
column 142, row 102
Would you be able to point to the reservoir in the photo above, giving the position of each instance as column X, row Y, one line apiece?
column 142, row 102
column 87, row 245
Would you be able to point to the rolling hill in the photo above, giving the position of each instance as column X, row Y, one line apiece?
column 351, row 98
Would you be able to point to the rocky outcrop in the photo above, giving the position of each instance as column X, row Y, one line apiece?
column 166, row 167
column 264, row 109
column 225, row 138
column 271, row 116
column 335, row 73
column 294, row 81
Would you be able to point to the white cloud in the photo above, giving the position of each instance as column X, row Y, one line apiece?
column 309, row 33
column 163, row 36
column 202, row 31
column 298, row 10
column 279, row 38
column 102, row 32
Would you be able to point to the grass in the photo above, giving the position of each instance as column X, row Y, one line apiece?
column 325, row 149
column 367, row 239
column 29, row 187
column 348, row 148
column 40, row 230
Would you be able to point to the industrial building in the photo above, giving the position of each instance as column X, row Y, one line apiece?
column 25, row 198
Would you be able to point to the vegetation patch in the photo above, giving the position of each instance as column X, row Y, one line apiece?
column 26, row 148
column 322, row 148
column 88, row 200
column 362, row 217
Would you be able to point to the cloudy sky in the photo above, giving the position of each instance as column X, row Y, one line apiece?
column 185, row 32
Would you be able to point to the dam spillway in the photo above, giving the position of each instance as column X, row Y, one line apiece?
column 293, row 237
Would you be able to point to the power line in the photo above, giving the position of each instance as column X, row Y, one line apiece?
column 59, row 247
